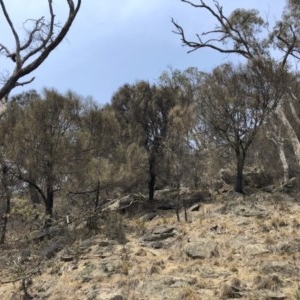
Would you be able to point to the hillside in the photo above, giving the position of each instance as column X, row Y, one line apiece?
column 233, row 246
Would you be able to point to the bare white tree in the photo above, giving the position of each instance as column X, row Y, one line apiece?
column 32, row 46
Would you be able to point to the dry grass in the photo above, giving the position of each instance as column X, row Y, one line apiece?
column 139, row 272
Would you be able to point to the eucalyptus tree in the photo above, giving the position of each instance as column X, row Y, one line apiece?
column 43, row 141
column 247, row 34
column 184, row 140
column 143, row 113
column 26, row 50
column 234, row 102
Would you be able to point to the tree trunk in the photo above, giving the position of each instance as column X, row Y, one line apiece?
column 49, row 202
column 151, row 185
column 152, row 177
column 284, row 162
column 34, row 195
column 275, row 137
column 49, row 194
column 97, row 196
column 294, row 113
column 7, row 200
column 240, row 158
column 291, row 133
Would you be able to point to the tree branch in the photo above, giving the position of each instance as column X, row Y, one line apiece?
column 41, row 41
column 231, row 31
column 208, row 44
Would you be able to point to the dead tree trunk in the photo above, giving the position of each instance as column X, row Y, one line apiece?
column 290, row 132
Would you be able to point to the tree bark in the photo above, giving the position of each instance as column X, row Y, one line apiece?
column 97, row 198
column 50, row 190
column 151, row 186
column 275, row 137
column 152, row 178
column 284, row 162
column 34, row 195
column 49, row 201
column 7, row 200
column 291, row 133
column 240, row 158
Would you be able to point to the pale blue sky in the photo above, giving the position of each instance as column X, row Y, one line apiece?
column 114, row 42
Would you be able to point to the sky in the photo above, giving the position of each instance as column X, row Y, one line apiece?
column 114, row 42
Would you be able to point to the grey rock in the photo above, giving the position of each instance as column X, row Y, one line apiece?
column 47, row 232
column 239, row 242
column 206, row 272
column 148, row 216
column 202, row 248
column 290, row 246
column 67, row 255
column 104, row 243
column 289, row 187
column 52, row 248
column 269, row 295
column 159, row 233
column 174, row 282
column 256, row 249
column 112, row 267
column 247, row 211
column 118, row 297
column 128, row 202
column 195, row 207
column 280, row 267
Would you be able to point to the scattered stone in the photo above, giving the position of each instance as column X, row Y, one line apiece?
column 202, row 248
column 112, row 267
column 240, row 241
column 67, row 255
column 148, row 217
column 289, row 187
column 52, row 248
column 256, row 249
column 117, row 297
column 24, row 256
column 127, row 203
column 104, row 243
column 195, row 207
column 280, row 267
column 227, row 291
column 234, row 289
column 269, row 295
column 246, row 211
column 290, row 246
column 272, row 282
column 206, row 272
column 159, row 233
column 141, row 252
column 86, row 243
column 47, row 232
column 176, row 282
